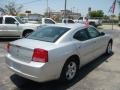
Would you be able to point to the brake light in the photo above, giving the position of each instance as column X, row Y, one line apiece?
column 7, row 47
column 40, row 55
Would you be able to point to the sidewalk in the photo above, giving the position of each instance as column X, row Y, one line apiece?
column 109, row 27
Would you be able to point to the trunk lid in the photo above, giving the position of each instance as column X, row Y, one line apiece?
column 23, row 49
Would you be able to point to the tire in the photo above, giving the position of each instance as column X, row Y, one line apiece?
column 109, row 48
column 26, row 34
column 69, row 71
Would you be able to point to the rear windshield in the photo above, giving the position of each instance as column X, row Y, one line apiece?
column 48, row 33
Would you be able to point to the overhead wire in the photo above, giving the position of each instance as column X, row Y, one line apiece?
column 30, row 2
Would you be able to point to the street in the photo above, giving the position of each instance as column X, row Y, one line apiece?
column 101, row 74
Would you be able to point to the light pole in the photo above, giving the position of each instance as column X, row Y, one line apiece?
column 119, row 8
column 47, row 7
column 65, row 8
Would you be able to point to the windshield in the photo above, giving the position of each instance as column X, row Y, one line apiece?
column 19, row 20
column 48, row 33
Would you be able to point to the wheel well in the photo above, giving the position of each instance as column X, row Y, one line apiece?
column 75, row 58
column 27, row 30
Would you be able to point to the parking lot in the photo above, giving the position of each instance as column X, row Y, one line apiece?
column 101, row 74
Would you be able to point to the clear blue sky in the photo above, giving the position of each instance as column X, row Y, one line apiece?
column 39, row 6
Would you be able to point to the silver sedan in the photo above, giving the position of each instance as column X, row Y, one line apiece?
column 56, row 51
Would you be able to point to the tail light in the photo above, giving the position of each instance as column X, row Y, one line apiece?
column 7, row 47
column 40, row 55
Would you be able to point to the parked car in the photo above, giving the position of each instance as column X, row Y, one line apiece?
column 67, row 20
column 40, row 21
column 26, row 20
column 93, row 22
column 13, row 26
column 56, row 51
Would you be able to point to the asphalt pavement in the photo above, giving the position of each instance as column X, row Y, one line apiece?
column 101, row 74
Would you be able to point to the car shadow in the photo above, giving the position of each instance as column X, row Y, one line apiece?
column 25, row 84
column 8, row 39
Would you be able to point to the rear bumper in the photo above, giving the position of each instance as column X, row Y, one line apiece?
column 34, row 71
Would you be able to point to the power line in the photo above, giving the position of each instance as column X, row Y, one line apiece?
column 31, row 2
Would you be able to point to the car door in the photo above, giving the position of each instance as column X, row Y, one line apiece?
column 84, row 46
column 98, row 41
column 10, row 27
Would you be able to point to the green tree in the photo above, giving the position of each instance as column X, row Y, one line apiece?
column 11, row 8
column 98, row 13
column 106, row 17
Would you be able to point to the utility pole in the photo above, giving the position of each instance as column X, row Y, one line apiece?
column 73, row 9
column 47, row 7
column 65, row 8
column 119, row 8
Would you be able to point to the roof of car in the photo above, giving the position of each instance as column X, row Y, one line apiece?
column 74, row 25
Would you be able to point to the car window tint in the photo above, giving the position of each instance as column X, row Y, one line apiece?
column 93, row 32
column 49, row 21
column 81, row 35
column 9, row 20
column 1, row 19
column 48, row 33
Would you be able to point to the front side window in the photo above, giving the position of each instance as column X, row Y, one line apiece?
column 1, row 19
column 81, row 35
column 48, row 33
column 93, row 32
column 9, row 20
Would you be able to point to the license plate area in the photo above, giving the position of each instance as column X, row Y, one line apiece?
column 15, row 66
column 20, row 53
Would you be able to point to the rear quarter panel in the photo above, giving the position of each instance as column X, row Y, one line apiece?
column 59, row 55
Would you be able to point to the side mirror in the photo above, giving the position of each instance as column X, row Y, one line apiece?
column 102, row 33
column 16, row 23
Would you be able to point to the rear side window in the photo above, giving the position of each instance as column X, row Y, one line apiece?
column 93, row 32
column 48, row 33
column 81, row 35
column 1, row 19
column 9, row 20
